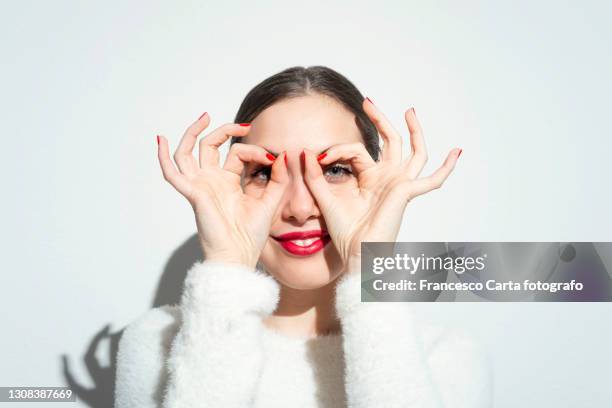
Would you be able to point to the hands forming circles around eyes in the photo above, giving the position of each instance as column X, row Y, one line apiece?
column 233, row 227
column 385, row 187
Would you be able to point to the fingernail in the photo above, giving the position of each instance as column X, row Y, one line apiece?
column 202, row 115
column 321, row 156
column 459, row 154
column 369, row 100
column 245, row 124
column 285, row 159
column 302, row 155
column 158, row 140
column 270, row 156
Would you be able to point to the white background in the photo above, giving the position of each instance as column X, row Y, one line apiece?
column 89, row 226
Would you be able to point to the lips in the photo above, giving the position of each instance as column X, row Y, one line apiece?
column 303, row 243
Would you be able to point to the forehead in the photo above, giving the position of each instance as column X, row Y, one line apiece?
column 314, row 122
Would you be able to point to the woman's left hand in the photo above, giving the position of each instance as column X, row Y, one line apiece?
column 374, row 213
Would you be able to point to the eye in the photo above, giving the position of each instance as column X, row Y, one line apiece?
column 334, row 173
column 338, row 172
column 261, row 174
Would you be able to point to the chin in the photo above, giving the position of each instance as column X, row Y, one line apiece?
column 302, row 272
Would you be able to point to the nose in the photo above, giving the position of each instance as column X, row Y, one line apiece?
column 299, row 205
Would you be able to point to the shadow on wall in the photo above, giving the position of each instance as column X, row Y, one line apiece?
column 169, row 290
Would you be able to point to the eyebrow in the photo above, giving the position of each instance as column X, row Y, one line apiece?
column 276, row 154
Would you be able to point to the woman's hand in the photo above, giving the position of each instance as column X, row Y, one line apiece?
column 232, row 226
column 374, row 213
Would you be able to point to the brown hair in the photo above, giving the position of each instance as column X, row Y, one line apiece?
column 300, row 81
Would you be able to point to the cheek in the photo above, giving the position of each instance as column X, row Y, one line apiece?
column 349, row 187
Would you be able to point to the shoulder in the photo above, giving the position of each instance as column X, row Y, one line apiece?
column 152, row 329
column 459, row 362
column 143, row 349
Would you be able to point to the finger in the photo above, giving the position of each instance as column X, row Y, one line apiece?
column 241, row 153
column 356, row 153
column 315, row 180
column 417, row 160
column 426, row 184
column 183, row 156
column 171, row 174
column 392, row 148
column 278, row 183
column 209, row 145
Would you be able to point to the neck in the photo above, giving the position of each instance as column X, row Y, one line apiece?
column 305, row 313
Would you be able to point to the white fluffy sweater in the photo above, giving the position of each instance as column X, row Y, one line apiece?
column 212, row 350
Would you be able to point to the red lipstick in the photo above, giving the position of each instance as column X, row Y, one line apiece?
column 319, row 239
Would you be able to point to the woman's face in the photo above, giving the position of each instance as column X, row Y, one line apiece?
column 314, row 122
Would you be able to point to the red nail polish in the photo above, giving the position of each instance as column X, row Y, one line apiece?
column 302, row 155
column 202, row 115
column 321, row 156
column 285, row 159
column 460, row 150
column 245, row 124
column 270, row 156
column 369, row 100
column 158, row 140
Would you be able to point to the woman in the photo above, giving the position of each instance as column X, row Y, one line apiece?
column 272, row 317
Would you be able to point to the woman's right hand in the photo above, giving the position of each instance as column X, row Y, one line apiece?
column 232, row 226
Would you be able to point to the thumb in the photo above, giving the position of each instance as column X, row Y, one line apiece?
column 278, row 183
column 315, row 180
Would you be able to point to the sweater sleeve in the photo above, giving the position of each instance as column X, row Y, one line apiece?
column 216, row 357
column 143, row 348
column 388, row 364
